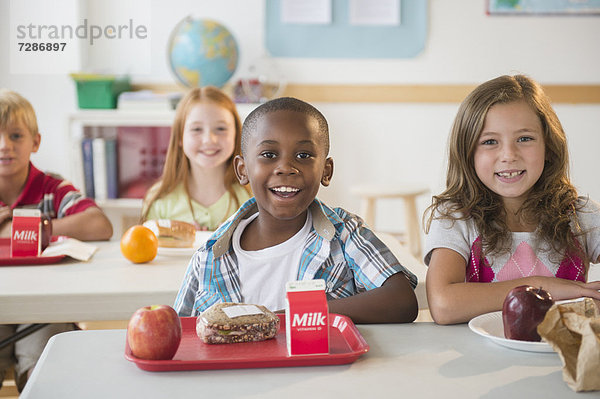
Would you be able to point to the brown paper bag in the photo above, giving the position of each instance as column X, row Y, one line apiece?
column 573, row 330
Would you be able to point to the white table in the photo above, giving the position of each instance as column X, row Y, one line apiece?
column 108, row 287
column 419, row 360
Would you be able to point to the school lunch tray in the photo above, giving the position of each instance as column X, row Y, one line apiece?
column 345, row 346
column 7, row 260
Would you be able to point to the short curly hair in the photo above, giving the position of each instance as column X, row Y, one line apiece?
column 284, row 104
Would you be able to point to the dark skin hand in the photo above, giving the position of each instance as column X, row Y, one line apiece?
column 393, row 302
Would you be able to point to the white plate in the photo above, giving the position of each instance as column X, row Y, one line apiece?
column 490, row 325
column 201, row 237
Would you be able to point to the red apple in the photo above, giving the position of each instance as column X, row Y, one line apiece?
column 154, row 332
column 523, row 309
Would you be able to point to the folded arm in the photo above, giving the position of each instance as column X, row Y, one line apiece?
column 393, row 302
column 89, row 225
column 452, row 300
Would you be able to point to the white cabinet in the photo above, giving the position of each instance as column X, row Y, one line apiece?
column 143, row 137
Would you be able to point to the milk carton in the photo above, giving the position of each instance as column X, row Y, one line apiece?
column 306, row 318
column 26, row 233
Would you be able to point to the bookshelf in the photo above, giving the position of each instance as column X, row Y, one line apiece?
column 142, row 138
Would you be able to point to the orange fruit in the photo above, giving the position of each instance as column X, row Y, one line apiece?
column 139, row 244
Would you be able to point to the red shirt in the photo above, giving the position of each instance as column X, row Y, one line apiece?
column 53, row 196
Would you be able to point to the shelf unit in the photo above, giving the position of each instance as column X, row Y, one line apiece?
column 123, row 212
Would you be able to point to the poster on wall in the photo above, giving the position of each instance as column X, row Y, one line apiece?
column 548, row 7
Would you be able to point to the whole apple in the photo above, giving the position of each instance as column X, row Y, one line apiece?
column 154, row 332
column 523, row 309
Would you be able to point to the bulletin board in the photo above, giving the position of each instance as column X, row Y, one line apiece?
column 340, row 39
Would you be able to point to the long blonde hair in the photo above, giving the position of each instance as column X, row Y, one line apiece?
column 177, row 165
column 552, row 200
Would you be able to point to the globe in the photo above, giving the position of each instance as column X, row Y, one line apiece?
column 202, row 53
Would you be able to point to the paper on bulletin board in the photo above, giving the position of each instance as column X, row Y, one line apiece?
column 374, row 12
column 306, row 11
column 341, row 39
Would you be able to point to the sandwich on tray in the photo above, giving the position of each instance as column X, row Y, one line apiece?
column 229, row 322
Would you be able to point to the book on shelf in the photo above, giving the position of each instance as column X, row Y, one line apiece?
column 88, row 167
column 104, row 161
column 99, row 162
column 112, row 183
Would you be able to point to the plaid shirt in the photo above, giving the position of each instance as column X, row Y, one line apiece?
column 339, row 249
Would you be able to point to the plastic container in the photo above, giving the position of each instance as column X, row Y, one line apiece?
column 99, row 91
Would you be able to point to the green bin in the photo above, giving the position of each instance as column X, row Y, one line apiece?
column 99, row 91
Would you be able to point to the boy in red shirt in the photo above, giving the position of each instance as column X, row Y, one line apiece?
column 24, row 186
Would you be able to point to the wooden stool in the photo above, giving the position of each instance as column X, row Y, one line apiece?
column 406, row 192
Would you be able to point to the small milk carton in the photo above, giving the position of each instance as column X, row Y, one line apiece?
column 306, row 318
column 26, row 233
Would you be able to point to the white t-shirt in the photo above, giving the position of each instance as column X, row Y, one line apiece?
column 263, row 273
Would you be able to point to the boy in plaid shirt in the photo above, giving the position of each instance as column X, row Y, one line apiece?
column 285, row 233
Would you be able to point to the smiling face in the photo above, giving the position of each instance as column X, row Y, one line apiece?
column 510, row 153
column 285, row 162
column 208, row 136
column 16, row 145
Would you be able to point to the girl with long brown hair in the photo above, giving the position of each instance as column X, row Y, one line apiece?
column 509, row 215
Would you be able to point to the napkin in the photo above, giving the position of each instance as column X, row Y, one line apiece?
column 573, row 330
column 71, row 247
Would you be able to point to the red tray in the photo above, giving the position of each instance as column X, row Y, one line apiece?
column 7, row 260
column 345, row 346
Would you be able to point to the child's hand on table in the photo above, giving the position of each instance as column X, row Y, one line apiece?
column 562, row 289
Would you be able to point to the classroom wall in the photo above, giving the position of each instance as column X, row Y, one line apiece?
column 391, row 143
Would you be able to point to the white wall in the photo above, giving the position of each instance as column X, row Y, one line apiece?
column 384, row 142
